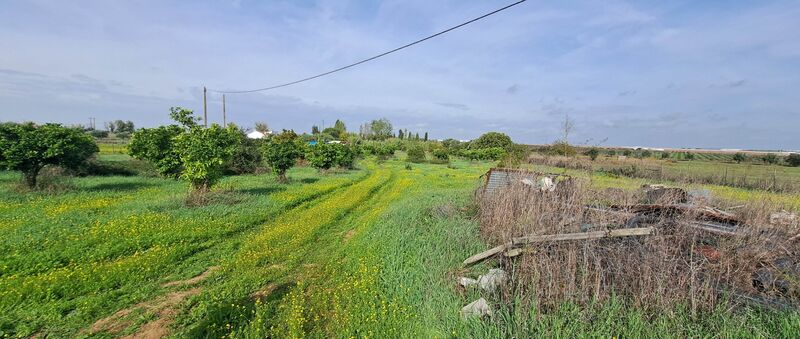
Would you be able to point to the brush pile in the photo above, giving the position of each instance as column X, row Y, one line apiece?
column 658, row 248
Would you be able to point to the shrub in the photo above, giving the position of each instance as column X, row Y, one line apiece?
column 494, row 153
column 739, row 157
column 793, row 160
column 516, row 156
column 155, row 145
column 204, row 152
column 28, row 148
column 124, row 135
column 416, row 154
column 491, row 140
column 441, row 154
column 770, row 158
column 322, row 156
column 346, row 155
column 665, row 155
column 688, row 156
column 592, row 153
column 646, row 154
column 281, row 152
column 563, row 148
column 247, row 158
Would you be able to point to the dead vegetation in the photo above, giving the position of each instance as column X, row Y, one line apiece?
column 692, row 255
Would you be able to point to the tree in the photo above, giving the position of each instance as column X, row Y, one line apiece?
column 262, row 127
column 380, row 129
column 593, row 153
column 492, row 139
column 204, row 152
column 426, row 136
column 400, row 134
column 111, row 126
column 155, row 145
column 770, row 158
column 315, row 129
column 665, row 155
column 322, row 156
column 739, row 157
column 416, row 154
column 281, row 152
column 333, row 132
column 339, row 125
column 793, row 160
column 28, row 148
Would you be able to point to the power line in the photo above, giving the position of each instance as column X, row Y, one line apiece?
column 374, row 57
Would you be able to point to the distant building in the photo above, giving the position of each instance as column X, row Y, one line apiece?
column 258, row 135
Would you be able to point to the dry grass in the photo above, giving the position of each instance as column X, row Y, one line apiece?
column 679, row 266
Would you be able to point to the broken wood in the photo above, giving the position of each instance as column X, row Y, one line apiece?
column 520, row 241
column 582, row 236
column 486, row 254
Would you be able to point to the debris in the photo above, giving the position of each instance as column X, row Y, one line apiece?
column 699, row 196
column 504, row 177
column 782, row 218
column 492, row 280
column 486, row 254
column 512, row 252
column 478, row 308
column 467, row 282
column 662, row 194
column 516, row 242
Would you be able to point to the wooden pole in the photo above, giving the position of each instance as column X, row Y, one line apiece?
column 205, row 108
column 224, row 115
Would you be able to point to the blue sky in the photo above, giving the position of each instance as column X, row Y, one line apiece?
column 656, row 73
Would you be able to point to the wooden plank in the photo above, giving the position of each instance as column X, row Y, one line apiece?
column 516, row 242
column 486, row 254
column 583, row 235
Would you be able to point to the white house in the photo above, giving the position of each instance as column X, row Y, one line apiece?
column 258, row 135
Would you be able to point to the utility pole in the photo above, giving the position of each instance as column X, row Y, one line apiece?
column 205, row 108
column 224, row 115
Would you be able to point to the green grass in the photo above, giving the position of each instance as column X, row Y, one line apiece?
column 360, row 254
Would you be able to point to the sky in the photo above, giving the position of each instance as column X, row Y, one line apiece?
column 711, row 74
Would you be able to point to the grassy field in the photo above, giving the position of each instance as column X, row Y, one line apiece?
column 372, row 252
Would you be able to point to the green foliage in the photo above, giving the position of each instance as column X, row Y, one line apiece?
column 339, row 126
column 739, row 157
column 262, row 127
column 380, row 129
column 332, row 132
column 247, row 158
column 665, row 155
column 515, row 157
column 204, row 152
column 592, row 153
column 793, row 160
column 770, row 158
column 156, row 145
column 322, row 156
column 453, row 146
column 416, row 154
column 183, row 116
column 124, row 135
column 441, row 154
column 490, row 140
column 646, row 153
column 494, row 153
column 426, row 137
column 28, row 148
column 281, row 152
column 688, row 156
column 563, row 148
column 627, row 152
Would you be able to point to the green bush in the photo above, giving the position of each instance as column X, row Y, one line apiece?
column 494, row 153
column 204, row 152
column 322, row 156
column 29, row 148
column 416, row 154
column 441, row 154
column 492, row 140
column 592, row 153
column 247, row 158
column 156, row 146
column 793, row 160
column 739, row 157
column 770, row 158
column 281, row 152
